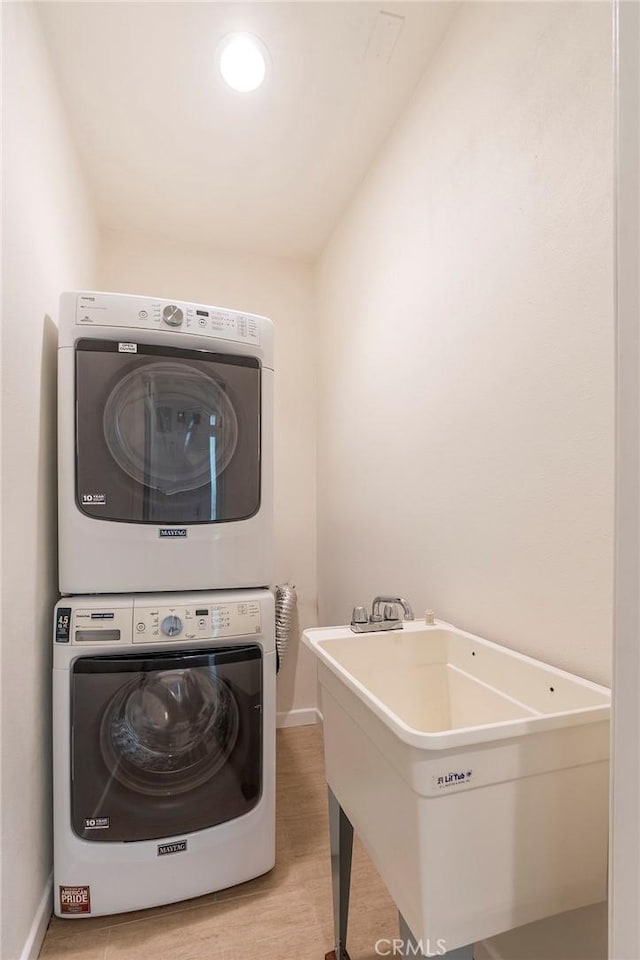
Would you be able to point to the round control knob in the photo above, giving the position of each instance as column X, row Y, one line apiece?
column 172, row 315
column 171, row 626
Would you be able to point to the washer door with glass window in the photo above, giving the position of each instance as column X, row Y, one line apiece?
column 166, row 436
column 166, row 743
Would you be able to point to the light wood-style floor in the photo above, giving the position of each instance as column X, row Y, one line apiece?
column 285, row 915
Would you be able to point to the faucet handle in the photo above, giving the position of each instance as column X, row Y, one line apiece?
column 359, row 615
column 389, row 612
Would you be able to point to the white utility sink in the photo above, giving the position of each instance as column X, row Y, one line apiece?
column 476, row 777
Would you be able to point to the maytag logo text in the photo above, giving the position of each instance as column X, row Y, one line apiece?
column 178, row 847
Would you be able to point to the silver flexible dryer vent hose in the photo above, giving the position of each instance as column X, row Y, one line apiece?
column 285, row 607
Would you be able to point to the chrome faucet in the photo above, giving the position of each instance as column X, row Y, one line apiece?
column 361, row 622
column 398, row 601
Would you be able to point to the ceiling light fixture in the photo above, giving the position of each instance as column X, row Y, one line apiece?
column 243, row 61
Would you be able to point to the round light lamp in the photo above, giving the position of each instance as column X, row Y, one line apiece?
column 243, row 62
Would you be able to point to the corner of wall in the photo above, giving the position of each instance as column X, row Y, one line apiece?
column 49, row 244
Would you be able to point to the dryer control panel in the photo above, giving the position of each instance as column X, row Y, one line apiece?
column 144, row 313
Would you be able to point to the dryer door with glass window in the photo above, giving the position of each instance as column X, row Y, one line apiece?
column 166, row 436
column 166, row 743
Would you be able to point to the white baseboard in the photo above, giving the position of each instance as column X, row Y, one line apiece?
column 33, row 943
column 297, row 718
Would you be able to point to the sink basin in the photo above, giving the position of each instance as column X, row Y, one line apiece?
column 439, row 687
column 476, row 777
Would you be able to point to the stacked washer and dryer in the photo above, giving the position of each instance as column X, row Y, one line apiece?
column 164, row 648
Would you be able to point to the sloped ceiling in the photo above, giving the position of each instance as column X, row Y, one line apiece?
column 169, row 149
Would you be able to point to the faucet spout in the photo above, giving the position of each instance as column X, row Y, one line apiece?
column 399, row 601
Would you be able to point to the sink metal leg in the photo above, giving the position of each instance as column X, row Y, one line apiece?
column 341, row 837
column 410, row 946
column 409, row 943
column 462, row 953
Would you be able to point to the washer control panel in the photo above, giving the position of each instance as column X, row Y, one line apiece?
column 102, row 625
column 193, row 622
column 120, row 310
column 200, row 620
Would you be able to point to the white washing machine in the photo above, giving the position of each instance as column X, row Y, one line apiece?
column 165, row 423
column 163, row 747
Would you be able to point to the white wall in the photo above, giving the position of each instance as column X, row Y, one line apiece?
column 282, row 290
column 48, row 245
column 624, row 943
column 465, row 417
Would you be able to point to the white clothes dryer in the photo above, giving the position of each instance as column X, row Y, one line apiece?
column 163, row 747
column 165, row 446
